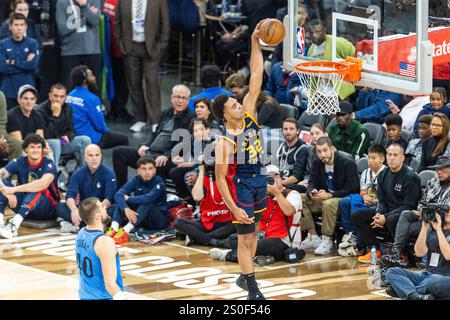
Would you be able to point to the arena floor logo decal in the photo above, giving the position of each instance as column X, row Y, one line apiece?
column 207, row 280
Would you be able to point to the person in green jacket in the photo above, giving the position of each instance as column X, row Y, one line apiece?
column 9, row 147
column 349, row 135
column 321, row 49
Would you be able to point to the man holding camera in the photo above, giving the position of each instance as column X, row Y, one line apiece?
column 437, row 192
column 424, row 285
column 279, row 234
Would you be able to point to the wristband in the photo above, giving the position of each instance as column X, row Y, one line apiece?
column 120, row 296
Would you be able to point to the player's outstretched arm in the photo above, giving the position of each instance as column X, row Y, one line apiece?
column 105, row 249
column 256, row 74
column 33, row 186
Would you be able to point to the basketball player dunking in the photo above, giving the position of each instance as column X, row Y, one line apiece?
column 238, row 167
column 97, row 256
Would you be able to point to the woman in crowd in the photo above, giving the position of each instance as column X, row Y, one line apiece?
column 436, row 145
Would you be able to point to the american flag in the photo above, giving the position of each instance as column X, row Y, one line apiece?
column 407, row 69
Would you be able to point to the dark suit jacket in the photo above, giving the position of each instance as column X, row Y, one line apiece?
column 345, row 176
column 157, row 27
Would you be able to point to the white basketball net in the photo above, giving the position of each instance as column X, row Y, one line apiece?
column 321, row 89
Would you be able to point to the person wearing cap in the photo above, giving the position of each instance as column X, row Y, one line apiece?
column 408, row 226
column 347, row 134
column 9, row 147
column 24, row 119
column 279, row 226
column 19, row 58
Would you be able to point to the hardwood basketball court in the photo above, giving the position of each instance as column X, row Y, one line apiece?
column 40, row 264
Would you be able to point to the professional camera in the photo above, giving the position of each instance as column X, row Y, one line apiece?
column 270, row 180
column 429, row 212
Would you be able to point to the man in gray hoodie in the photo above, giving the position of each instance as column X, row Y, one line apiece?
column 78, row 28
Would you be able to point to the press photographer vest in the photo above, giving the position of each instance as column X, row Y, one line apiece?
column 273, row 221
column 212, row 208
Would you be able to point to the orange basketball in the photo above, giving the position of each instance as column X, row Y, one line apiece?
column 272, row 32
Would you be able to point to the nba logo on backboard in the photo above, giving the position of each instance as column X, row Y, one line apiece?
column 301, row 40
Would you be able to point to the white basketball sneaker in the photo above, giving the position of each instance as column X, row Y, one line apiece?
column 9, row 231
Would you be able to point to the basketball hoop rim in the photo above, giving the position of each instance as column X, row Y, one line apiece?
column 340, row 68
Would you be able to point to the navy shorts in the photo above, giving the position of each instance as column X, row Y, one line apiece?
column 249, row 192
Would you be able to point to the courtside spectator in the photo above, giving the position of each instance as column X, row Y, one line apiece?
column 321, row 48
column 437, row 191
column 411, row 110
column 203, row 110
column 394, row 131
column 413, row 152
column 78, row 23
column 214, row 225
column 367, row 198
column 277, row 86
column 210, row 78
column 88, row 116
column 9, row 148
column 292, row 156
column 19, row 59
column 141, row 201
column 22, row 7
column 142, row 29
column 398, row 190
column 186, row 162
column 235, row 83
column 372, row 105
column 268, row 109
column 24, row 118
column 433, row 242
column 349, row 135
column 317, row 131
column 333, row 176
column 160, row 145
column 438, row 100
column 438, row 144
column 59, row 129
column 29, row 199
column 91, row 180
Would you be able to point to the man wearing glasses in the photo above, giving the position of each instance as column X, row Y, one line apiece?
column 160, row 145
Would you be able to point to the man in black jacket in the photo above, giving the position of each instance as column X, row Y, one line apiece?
column 161, row 144
column 292, row 156
column 59, row 130
column 334, row 175
column 398, row 190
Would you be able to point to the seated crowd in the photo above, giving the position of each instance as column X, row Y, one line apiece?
column 343, row 189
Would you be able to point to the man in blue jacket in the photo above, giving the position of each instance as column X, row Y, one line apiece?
column 279, row 82
column 372, row 105
column 19, row 58
column 88, row 117
column 210, row 79
column 142, row 201
column 91, row 180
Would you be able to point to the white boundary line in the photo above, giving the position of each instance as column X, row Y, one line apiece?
column 187, row 248
column 75, row 281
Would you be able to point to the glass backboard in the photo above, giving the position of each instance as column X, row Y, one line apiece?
column 390, row 36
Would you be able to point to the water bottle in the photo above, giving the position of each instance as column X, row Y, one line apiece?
column 373, row 255
column 373, row 261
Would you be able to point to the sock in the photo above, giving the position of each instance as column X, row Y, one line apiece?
column 115, row 226
column 314, row 237
column 128, row 228
column 251, row 283
column 2, row 220
column 17, row 220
